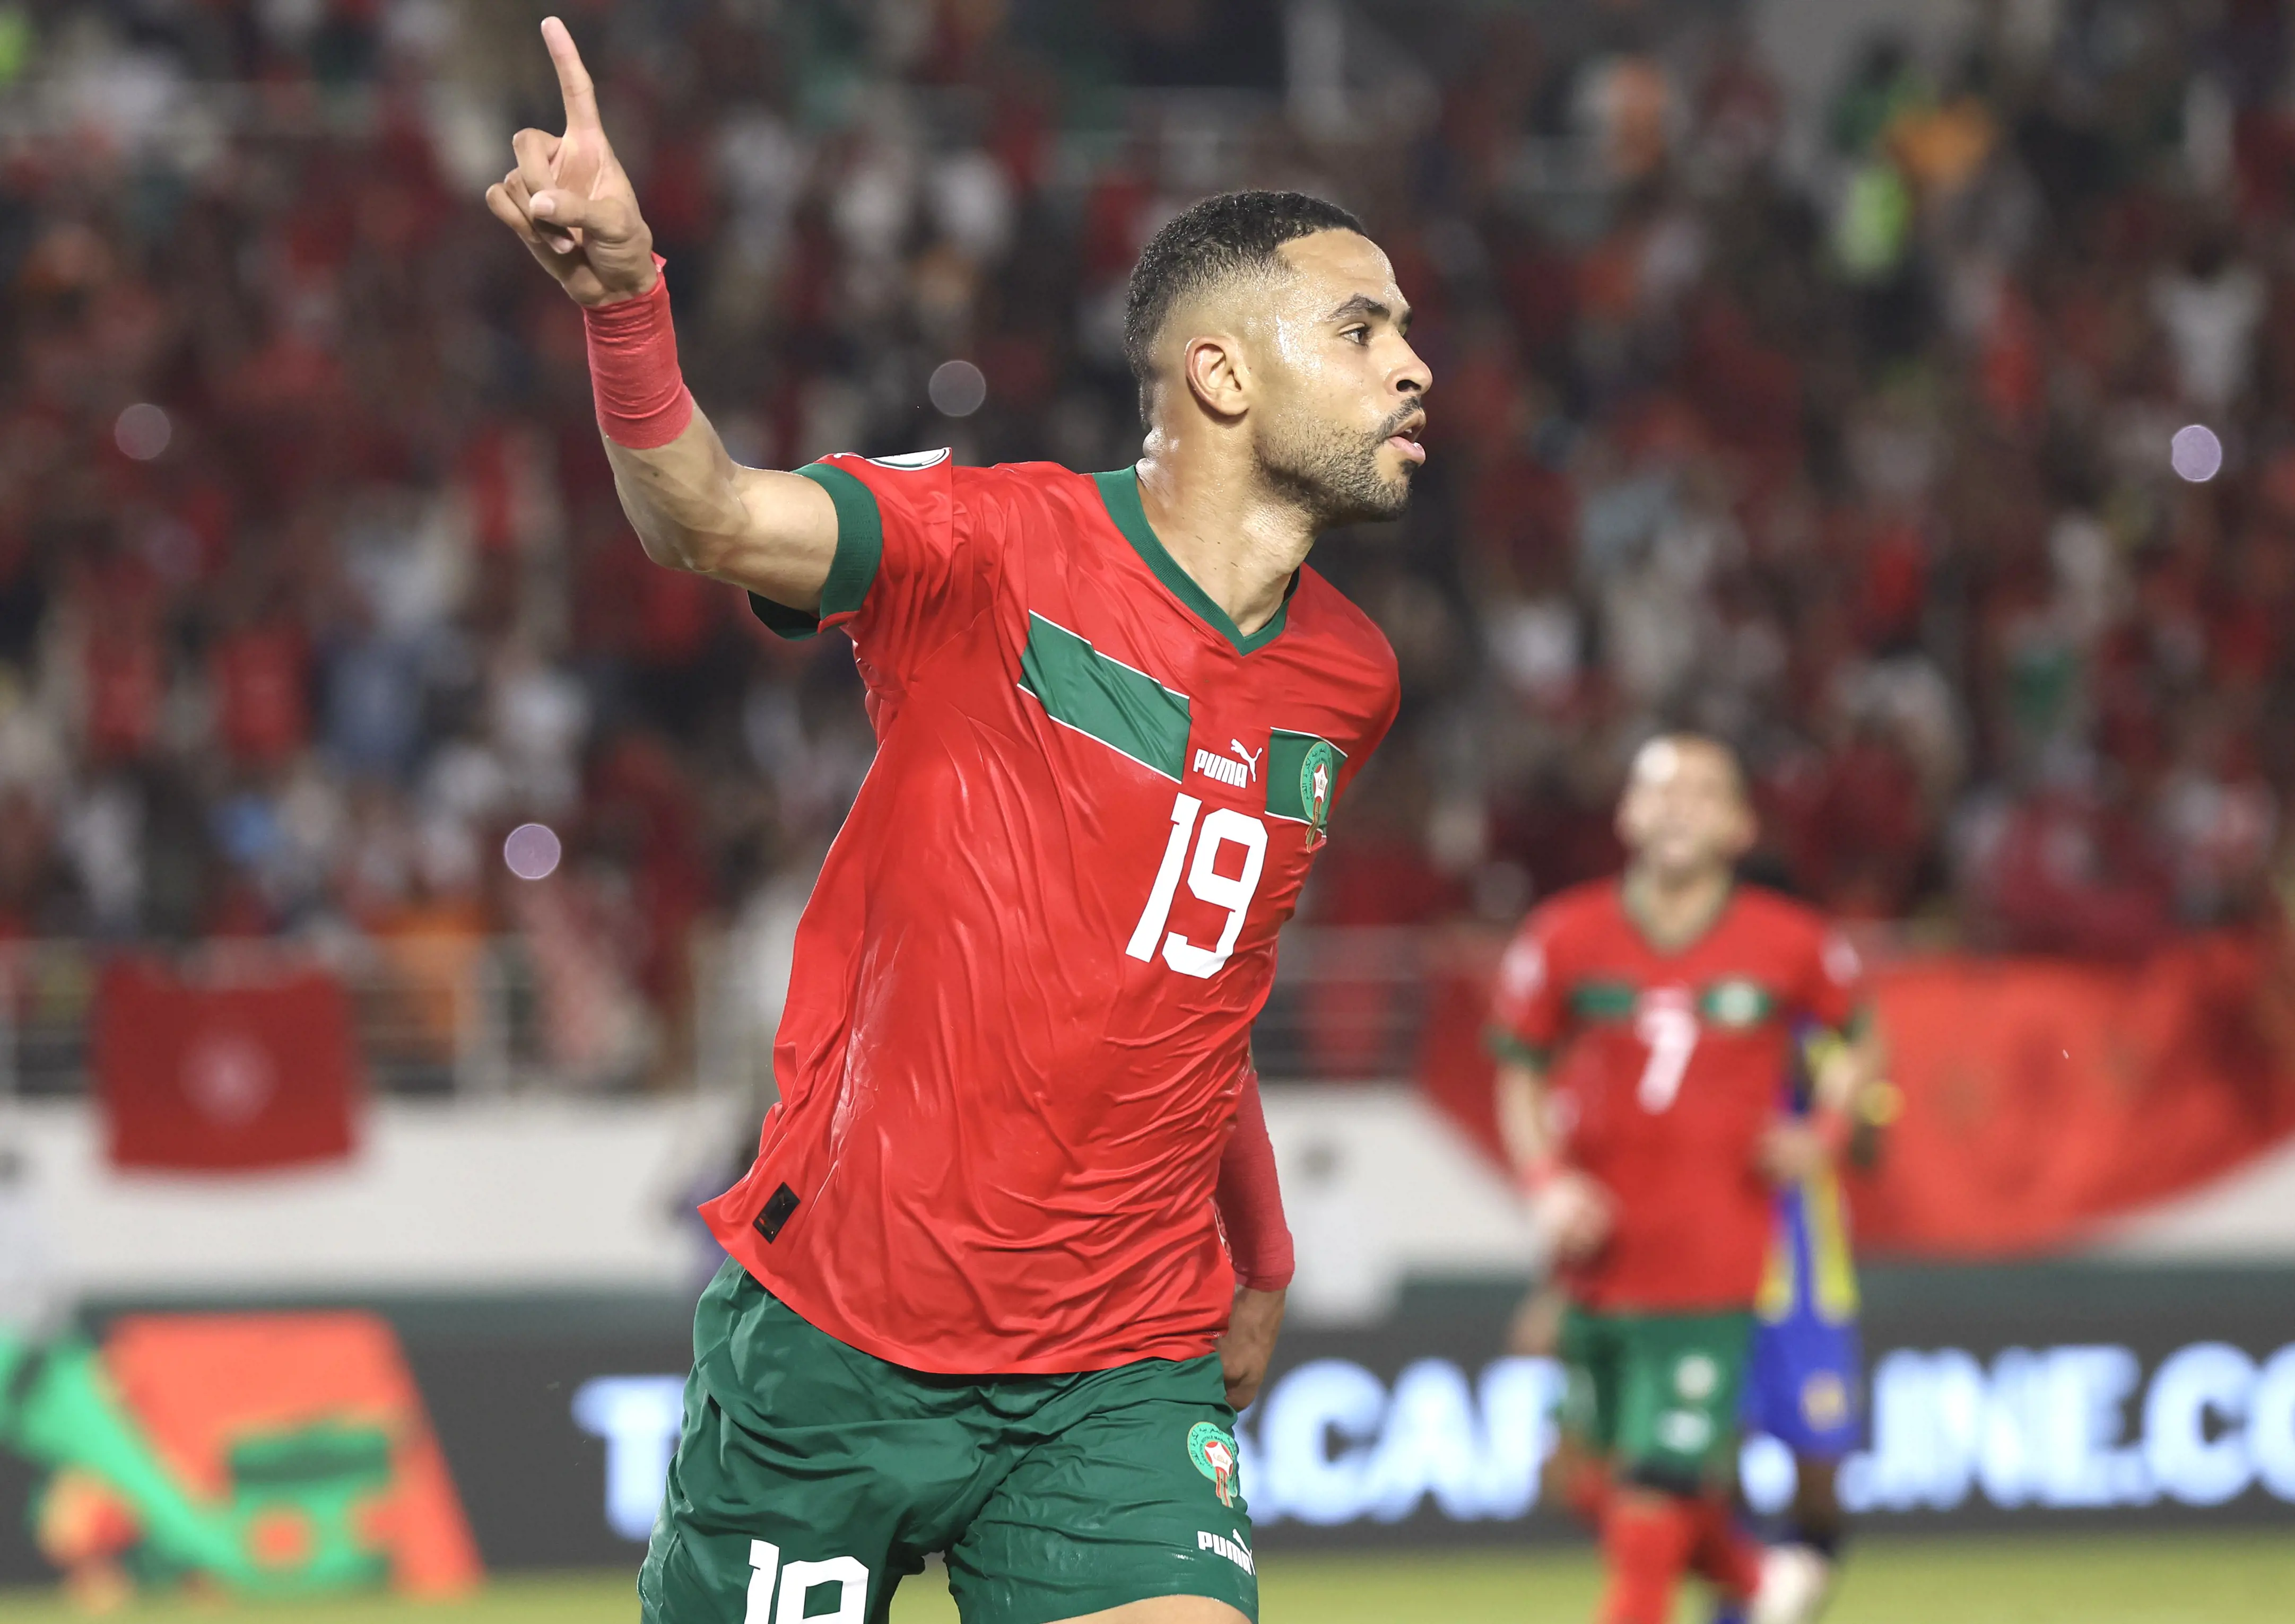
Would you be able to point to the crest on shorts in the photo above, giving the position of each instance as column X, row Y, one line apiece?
column 1825, row 1400
column 1696, row 1377
column 1213, row 1453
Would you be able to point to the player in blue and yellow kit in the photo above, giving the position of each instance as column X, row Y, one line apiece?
column 1804, row 1385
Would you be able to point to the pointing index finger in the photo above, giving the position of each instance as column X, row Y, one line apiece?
column 581, row 96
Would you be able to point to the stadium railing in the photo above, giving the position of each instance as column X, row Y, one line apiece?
column 459, row 1019
column 473, row 1017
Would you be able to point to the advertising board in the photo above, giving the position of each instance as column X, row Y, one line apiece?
column 2111, row 1397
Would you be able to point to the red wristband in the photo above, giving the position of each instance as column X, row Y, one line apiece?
column 1538, row 1173
column 643, row 401
column 1833, row 1131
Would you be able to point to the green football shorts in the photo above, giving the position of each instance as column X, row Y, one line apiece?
column 811, row 1477
column 1656, row 1393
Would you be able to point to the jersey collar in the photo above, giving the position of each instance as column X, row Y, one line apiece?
column 1674, row 949
column 1120, row 490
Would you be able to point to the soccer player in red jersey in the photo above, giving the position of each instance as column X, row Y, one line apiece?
column 981, row 1298
column 1642, row 1025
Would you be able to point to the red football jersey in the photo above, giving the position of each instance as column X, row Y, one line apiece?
column 1024, row 983
column 1667, row 1067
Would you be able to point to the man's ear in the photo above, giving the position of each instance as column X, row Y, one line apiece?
column 1217, row 374
column 1749, row 828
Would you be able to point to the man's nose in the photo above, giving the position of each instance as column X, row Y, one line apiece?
column 1415, row 377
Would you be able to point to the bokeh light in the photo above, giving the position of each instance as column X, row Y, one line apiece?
column 532, row 851
column 957, row 388
column 143, row 431
column 2196, row 453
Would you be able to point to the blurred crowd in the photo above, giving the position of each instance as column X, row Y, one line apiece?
column 1841, row 429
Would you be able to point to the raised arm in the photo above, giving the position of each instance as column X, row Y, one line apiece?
column 693, row 507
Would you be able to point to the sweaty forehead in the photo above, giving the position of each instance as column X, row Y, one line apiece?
column 1330, row 267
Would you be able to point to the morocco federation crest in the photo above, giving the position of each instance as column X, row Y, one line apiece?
column 1302, row 779
column 1318, row 769
column 1213, row 1453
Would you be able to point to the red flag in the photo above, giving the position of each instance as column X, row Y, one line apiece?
column 224, row 1079
column 2041, row 1097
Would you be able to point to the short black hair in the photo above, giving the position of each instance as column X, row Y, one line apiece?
column 1236, row 231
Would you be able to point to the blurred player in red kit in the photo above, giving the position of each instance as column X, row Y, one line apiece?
column 981, row 1298
column 1642, row 1025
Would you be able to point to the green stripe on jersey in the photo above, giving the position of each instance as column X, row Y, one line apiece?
column 1128, row 711
column 860, row 539
column 1602, row 1001
column 1503, row 1046
column 860, row 547
column 1302, row 776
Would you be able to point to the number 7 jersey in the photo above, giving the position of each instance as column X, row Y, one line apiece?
column 1667, row 1065
column 1023, row 985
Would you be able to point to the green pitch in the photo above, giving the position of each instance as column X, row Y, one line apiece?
column 2245, row 1579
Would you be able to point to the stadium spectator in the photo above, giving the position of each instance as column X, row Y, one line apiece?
column 312, row 583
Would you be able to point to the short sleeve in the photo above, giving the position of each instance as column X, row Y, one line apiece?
column 1836, row 986
column 1528, row 1010
column 909, row 563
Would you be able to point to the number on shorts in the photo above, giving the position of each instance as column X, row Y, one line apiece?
column 1669, row 1026
column 799, row 1580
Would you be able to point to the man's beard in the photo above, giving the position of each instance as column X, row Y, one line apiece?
column 1334, row 474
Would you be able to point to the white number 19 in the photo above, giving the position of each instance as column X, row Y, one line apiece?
column 1233, row 893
